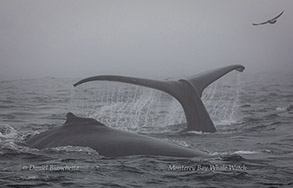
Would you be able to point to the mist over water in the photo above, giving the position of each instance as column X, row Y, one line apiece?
column 152, row 39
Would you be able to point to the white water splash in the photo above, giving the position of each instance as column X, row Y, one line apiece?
column 73, row 149
column 243, row 152
column 222, row 100
column 7, row 132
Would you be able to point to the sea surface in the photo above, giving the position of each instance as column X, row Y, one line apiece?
column 252, row 148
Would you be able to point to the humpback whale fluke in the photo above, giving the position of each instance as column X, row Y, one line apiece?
column 187, row 91
column 271, row 21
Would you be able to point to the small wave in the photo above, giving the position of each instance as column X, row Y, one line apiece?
column 233, row 158
column 27, row 135
column 178, row 142
column 13, row 147
column 7, row 132
column 245, row 152
column 7, row 101
column 195, row 132
column 8, row 106
column 285, row 109
column 260, row 127
column 251, row 120
column 7, row 116
column 235, row 153
column 28, row 184
column 226, row 122
column 73, row 149
column 289, row 96
column 277, row 123
column 45, row 178
column 267, row 151
column 276, row 184
column 273, row 94
column 272, row 116
column 281, row 109
column 245, row 106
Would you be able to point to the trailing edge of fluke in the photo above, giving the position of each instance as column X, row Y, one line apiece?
column 187, row 91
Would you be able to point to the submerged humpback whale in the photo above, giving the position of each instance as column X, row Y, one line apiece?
column 109, row 142
column 187, row 91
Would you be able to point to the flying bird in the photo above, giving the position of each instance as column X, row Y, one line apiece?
column 271, row 21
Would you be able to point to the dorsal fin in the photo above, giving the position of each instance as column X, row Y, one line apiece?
column 70, row 117
column 187, row 91
column 73, row 119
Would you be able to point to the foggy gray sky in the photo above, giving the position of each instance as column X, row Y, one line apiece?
column 147, row 38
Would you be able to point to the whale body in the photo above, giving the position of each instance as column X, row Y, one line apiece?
column 107, row 141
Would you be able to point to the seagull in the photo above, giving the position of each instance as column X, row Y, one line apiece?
column 271, row 21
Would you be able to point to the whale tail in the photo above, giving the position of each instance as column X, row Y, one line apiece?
column 187, row 91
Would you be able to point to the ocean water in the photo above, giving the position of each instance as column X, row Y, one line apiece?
column 252, row 148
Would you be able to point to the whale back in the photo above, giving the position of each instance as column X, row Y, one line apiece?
column 109, row 142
